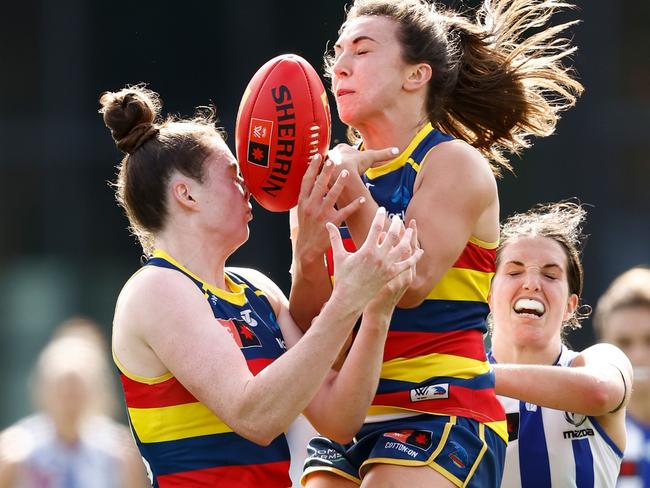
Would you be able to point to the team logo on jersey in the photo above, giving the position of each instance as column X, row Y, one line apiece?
column 578, row 434
column 247, row 317
column 431, row 392
column 512, row 420
column 459, row 455
column 241, row 333
column 575, row 418
column 531, row 407
column 415, row 438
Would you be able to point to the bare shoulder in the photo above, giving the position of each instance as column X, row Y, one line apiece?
column 155, row 305
column 273, row 292
column 456, row 162
column 153, row 292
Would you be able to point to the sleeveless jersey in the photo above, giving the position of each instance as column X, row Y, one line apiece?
column 181, row 441
column 434, row 359
column 551, row 448
column 635, row 469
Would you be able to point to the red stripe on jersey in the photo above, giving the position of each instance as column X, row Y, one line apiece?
column 349, row 246
column 481, row 405
column 257, row 365
column 628, row 468
column 165, row 394
column 275, row 475
column 478, row 258
column 170, row 392
column 463, row 343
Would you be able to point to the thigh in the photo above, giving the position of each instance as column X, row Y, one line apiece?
column 388, row 476
column 323, row 479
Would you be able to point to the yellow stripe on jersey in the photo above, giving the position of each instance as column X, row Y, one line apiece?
column 416, row 370
column 462, row 284
column 141, row 379
column 403, row 158
column 236, row 295
column 176, row 422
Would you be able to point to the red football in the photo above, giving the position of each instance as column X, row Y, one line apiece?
column 283, row 120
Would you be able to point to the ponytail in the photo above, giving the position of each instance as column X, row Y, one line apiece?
column 494, row 82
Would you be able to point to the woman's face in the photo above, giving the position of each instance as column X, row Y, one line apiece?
column 223, row 197
column 529, row 297
column 368, row 72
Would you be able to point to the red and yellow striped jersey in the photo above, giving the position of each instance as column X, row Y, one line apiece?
column 434, row 358
column 183, row 443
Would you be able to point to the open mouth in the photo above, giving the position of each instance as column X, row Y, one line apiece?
column 529, row 307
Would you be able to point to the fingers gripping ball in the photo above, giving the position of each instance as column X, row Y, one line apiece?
column 283, row 120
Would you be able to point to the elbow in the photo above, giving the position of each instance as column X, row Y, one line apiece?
column 260, row 436
column 416, row 293
column 257, row 429
column 602, row 399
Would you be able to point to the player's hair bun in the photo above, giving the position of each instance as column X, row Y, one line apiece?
column 130, row 115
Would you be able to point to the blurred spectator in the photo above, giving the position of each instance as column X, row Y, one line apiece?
column 623, row 319
column 71, row 441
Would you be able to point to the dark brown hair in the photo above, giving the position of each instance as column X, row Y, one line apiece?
column 154, row 150
column 631, row 289
column 561, row 222
column 493, row 83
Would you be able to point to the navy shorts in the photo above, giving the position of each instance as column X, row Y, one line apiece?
column 464, row 451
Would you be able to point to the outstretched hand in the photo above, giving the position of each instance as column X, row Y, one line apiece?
column 388, row 297
column 378, row 264
column 316, row 206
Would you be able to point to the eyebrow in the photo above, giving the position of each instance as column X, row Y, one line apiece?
column 546, row 266
column 356, row 40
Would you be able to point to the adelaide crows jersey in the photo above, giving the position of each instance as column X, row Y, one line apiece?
column 182, row 442
column 434, row 359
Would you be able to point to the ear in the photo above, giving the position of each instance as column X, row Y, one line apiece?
column 572, row 305
column 417, row 76
column 182, row 193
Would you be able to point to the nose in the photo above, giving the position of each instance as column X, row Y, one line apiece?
column 531, row 280
column 341, row 68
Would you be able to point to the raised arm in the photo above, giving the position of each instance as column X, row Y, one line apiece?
column 311, row 285
column 349, row 392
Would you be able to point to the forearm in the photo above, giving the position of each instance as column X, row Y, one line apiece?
column 577, row 390
column 310, row 289
column 283, row 390
column 350, row 392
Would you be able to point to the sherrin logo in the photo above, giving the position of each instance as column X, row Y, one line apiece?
column 431, row 392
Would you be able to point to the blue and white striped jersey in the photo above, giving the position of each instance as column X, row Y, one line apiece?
column 551, row 448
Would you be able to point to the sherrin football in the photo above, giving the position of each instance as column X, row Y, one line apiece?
column 283, row 120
